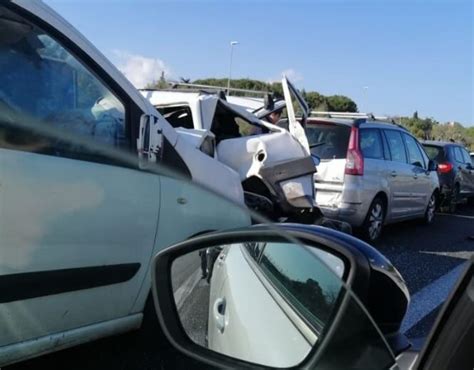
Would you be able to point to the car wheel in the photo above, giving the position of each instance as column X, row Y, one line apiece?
column 372, row 228
column 430, row 210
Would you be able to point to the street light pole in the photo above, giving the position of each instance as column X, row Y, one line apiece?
column 232, row 44
column 366, row 91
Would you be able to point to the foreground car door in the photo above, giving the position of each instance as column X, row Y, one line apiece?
column 76, row 228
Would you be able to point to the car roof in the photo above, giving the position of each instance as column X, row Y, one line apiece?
column 439, row 143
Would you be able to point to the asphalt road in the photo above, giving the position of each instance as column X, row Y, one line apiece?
column 428, row 257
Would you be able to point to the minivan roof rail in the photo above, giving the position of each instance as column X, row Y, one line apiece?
column 175, row 85
column 348, row 115
column 357, row 117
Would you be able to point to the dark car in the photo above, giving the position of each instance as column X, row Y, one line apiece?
column 455, row 171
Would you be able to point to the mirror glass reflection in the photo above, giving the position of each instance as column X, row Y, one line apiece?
column 267, row 303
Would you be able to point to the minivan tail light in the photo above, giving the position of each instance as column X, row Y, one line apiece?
column 354, row 158
column 445, row 167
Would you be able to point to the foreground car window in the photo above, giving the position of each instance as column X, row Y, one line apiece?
column 47, row 83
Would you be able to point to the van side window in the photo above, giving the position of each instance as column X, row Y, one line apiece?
column 396, row 146
column 458, row 155
column 415, row 157
column 467, row 157
column 371, row 143
column 45, row 88
column 423, row 154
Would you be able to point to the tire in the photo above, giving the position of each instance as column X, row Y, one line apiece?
column 429, row 216
column 373, row 224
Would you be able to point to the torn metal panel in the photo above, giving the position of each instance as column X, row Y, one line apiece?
column 248, row 155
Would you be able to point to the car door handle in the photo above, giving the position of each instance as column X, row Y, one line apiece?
column 415, row 176
column 219, row 314
column 393, row 173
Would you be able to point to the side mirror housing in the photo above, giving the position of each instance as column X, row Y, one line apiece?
column 305, row 318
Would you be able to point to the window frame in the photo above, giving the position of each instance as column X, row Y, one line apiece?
column 423, row 154
column 385, row 130
column 381, row 140
column 466, row 156
column 457, row 149
column 132, row 111
column 405, row 135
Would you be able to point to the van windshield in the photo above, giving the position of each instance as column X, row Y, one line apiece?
column 328, row 141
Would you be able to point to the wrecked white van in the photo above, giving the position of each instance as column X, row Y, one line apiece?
column 275, row 165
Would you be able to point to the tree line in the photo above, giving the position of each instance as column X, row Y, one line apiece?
column 430, row 129
column 423, row 128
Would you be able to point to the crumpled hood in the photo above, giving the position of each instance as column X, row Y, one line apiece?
column 247, row 155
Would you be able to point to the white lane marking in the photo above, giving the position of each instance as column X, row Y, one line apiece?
column 186, row 288
column 459, row 216
column 430, row 297
column 465, row 255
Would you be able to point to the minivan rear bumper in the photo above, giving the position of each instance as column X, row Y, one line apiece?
column 353, row 213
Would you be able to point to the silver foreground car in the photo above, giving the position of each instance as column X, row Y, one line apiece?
column 371, row 173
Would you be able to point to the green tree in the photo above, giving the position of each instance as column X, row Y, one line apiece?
column 420, row 127
column 341, row 103
column 316, row 101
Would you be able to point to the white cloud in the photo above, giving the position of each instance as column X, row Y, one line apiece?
column 140, row 70
column 290, row 73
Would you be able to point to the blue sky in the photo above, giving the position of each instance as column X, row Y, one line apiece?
column 411, row 54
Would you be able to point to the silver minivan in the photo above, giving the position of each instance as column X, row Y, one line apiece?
column 371, row 173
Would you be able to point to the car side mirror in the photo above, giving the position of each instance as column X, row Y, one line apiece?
column 432, row 165
column 280, row 296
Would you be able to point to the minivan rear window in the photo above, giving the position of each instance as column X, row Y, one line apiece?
column 328, row 141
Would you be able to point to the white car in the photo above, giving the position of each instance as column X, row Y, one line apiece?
column 78, row 226
column 272, row 162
